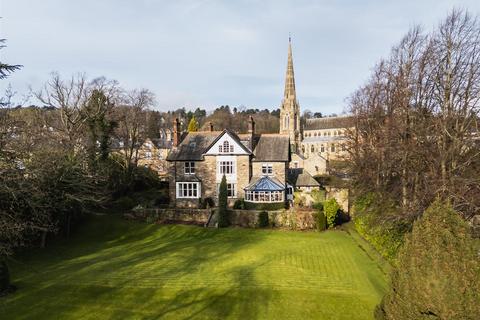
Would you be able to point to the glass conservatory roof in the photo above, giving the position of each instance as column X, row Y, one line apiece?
column 265, row 183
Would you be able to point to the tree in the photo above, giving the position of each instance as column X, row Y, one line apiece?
column 438, row 274
column 131, row 124
column 416, row 121
column 222, row 204
column 193, row 125
column 330, row 208
column 100, row 125
column 7, row 69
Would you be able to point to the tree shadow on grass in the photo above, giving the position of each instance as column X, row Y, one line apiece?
column 167, row 271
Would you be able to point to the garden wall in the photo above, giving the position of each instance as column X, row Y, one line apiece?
column 295, row 219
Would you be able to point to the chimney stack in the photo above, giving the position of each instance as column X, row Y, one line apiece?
column 251, row 126
column 210, row 124
column 176, row 132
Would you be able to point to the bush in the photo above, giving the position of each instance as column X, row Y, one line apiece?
column 239, row 204
column 330, row 209
column 264, row 206
column 384, row 235
column 319, row 216
column 263, row 219
column 162, row 200
column 4, row 277
column 438, row 274
column 124, row 203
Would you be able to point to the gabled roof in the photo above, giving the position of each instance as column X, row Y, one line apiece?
column 196, row 144
column 272, row 147
column 265, row 183
column 329, row 123
column 235, row 138
column 301, row 178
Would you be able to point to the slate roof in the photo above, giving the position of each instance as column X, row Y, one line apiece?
column 265, row 183
column 272, row 147
column 329, row 123
column 195, row 144
column 301, row 178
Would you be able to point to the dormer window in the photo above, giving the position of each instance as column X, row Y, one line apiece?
column 225, row 147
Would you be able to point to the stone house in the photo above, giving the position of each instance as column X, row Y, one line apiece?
column 255, row 166
column 153, row 154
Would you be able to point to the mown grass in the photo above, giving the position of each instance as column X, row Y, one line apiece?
column 114, row 269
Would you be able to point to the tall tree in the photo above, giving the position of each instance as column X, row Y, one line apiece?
column 193, row 125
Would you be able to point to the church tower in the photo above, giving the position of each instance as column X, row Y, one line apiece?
column 290, row 109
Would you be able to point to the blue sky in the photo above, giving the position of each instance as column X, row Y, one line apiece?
column 207, row 52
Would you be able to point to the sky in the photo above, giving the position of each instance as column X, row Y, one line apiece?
column 207, row 53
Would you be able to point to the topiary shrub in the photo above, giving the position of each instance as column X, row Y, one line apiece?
column 330, row 209
column 223, row 220
column 263, row 219
column 438, row 274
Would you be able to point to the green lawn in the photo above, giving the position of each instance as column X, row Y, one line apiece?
column 114, row 269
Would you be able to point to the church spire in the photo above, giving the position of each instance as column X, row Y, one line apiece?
column 290, row 77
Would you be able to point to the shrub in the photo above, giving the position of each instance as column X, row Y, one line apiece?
column 124, row 203
column 319, row 216
column 318, row 196
column 4, row 277
column 384, row 235
column 438, row 274
column 330, row 209
column 222, row 204
column 263, row 219
column 239, row 204
column 162, row 199
column 264, row 206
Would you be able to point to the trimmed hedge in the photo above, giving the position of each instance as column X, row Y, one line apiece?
column 264, row 206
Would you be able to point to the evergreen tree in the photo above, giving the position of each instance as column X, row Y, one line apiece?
column 222, row 204
column 438, row 274
column 193, row 125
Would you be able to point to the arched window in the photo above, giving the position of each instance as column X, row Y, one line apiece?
column 225, row 147
column 312, row 148
column 286, row 125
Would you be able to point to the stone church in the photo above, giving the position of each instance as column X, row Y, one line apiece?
column 320, row 140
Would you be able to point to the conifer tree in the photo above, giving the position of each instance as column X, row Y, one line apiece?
column 438, row 274
column 193, row 125
column 222, row 204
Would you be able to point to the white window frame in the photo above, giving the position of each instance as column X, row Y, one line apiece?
column 188, row 190
column 267, row 169
column 224, row 164
column 148, row 155
column 230, row 187
column 190, row 168
column 265, row 196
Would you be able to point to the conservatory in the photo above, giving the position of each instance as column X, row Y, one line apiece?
column 265, row 189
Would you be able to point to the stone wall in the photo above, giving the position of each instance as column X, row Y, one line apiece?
column 279, row 169
column 294, row 219
column 341, row 195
